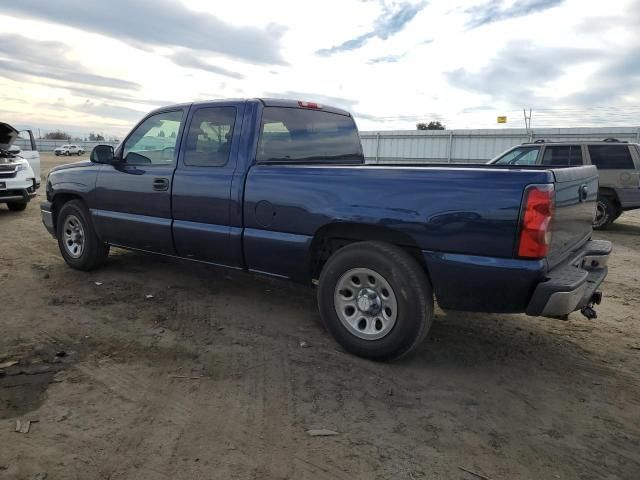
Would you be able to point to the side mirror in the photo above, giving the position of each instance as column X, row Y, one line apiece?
column 102, row 154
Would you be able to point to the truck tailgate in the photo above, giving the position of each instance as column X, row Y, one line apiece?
column 576, row 192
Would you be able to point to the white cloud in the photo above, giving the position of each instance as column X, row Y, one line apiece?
column 391, row 63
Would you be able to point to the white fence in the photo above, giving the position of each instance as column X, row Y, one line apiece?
column 50, row 145
column 471, row 146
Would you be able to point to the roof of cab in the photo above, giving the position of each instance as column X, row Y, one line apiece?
column 267, row 102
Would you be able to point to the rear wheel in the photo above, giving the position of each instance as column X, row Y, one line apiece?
column 80, row 246
column 17, row 206
column 606, row 213
column 375, row 299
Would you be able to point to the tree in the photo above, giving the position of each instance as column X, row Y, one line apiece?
column 436, row 125
column 57, row 135
column 96, row 137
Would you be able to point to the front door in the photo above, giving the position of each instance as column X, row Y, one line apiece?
column 133, row 196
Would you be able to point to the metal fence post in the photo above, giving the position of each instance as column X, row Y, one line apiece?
column 450, row 146
column 377, row 147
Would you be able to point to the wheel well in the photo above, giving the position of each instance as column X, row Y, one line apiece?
column 331, row 238
column 59, row 200
column 611, row 194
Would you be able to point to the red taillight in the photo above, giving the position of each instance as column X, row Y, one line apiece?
column 309, row 105
column 535, row 225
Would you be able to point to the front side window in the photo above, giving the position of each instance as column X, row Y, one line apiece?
column 209, row 139
column 565, row 155
column 300, row 135
column 519, row 156
column 154, row 141
column 614, row 157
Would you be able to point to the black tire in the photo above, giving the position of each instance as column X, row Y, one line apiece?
column 17, row 206
column 619, row 212
column 95, row 251
column 606, row 213
column 410, row 287
column 67, row 153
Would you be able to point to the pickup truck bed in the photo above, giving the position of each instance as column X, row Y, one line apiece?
column 289, row 196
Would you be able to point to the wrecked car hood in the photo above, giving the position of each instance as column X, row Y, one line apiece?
column 8, row 135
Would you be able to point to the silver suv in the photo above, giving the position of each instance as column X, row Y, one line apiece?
column 618, row 167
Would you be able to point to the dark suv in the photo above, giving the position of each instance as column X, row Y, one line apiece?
column 618, row 167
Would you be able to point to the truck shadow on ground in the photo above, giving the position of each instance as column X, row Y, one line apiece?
column 625, row 228
column 283, row 309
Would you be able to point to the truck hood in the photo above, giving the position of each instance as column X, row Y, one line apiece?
column 8, row 135
column 79, row 164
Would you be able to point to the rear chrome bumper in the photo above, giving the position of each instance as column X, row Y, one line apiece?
column 572, row 286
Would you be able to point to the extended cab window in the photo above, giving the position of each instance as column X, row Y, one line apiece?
column 565, row 155
column 300, row 135
column 614, row 157
column 519, row 156
column 209, row 139
column 154, row 141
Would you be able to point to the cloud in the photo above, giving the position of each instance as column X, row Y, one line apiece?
column 386, row 59
column 25, row 57
column 160, row 23
column 494, row 11
column 618, row 77
column 514, row 72
column 392, row 21
column 187, row 59
column 102, row 109
column 108, row 94
column 615, row 82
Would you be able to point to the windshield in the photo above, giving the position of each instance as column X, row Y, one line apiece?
column 519, row 156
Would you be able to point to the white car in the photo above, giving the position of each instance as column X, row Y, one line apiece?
column 19, row 170
column 69, row 150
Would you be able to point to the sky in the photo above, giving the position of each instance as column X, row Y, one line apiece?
column 84, row 66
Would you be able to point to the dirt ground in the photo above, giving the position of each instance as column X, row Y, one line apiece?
column 208, row 379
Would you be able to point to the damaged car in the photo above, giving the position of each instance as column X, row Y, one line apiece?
column 19, row 170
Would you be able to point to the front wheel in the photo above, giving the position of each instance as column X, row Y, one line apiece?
column 80, row 246
column 375, row 299
column 606, row 213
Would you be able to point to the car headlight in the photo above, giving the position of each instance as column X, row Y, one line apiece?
column 22, row 166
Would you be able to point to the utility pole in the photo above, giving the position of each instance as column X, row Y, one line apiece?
column 527, row 123
column 527, row 119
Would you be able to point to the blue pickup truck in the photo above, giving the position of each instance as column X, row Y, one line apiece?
column 281, row 188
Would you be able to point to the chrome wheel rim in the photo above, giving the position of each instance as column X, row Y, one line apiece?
column 365, row 303
column 73, row 236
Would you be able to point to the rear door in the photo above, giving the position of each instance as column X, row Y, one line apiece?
column 562, row 156
column 207, row 222
column 132, row 204
column 618, row 170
